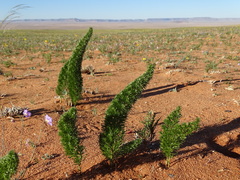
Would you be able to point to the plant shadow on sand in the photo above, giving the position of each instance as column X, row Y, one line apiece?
column 39, row 111
column 147, row 153
column 101, row 99
column 208, row 134
column 140, row 156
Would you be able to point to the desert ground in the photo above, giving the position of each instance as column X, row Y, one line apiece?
column 197, row 68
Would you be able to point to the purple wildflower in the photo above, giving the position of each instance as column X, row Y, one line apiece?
column 27, row 142
column 26, row 113
column 48, row 120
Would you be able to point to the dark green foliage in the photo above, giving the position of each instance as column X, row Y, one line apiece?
column 129, row 147
column 69, row 135
column 111, row 139
column 150, row 124
column 62, row 87
column 8, row 165
column 173, row 134
column 70, row 77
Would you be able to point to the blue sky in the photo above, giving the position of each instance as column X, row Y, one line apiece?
column 123, row 9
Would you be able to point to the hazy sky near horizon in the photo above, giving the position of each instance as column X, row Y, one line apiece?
column 122, row 9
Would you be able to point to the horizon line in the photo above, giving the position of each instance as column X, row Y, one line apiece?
column 123, row 19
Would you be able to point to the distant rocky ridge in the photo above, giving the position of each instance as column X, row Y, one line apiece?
column 201, row 19
column 150, row 23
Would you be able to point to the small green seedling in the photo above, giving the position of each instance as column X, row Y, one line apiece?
column 150, row 124
column 211, row 65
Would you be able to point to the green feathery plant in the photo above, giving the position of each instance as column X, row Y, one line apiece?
column 111, row 139
column 69, row 136
column 150, row 123
column 70, row 77
column 173, row 134
column 8, row 165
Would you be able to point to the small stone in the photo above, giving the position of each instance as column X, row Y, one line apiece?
column 171, row 175
column 42, row 70
column 229, row 88
column 227, row 111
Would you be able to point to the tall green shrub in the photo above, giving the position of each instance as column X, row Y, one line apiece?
column 70, row 77
column 69, row 136
column 8, row 165
column 174, row 134
column 111, row 139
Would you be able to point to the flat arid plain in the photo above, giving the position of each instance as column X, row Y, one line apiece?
column 122, row 24
column 197, row 68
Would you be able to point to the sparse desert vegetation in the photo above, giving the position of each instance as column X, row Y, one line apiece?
column 196, row 68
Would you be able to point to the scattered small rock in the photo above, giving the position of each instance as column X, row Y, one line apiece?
column 174, row 70
column 42, row 70
column 227, row 111
column 236, row 101
column 11, row 78
column 230, row 88
column 3, row 95
column 169, row 65
column 88, row 70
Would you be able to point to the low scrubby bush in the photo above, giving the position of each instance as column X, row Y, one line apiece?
column 150, row 123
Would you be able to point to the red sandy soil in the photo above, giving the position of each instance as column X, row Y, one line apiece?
column 211, row 153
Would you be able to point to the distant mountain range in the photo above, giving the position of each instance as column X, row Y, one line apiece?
column 197, row 19
column 153, row 23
